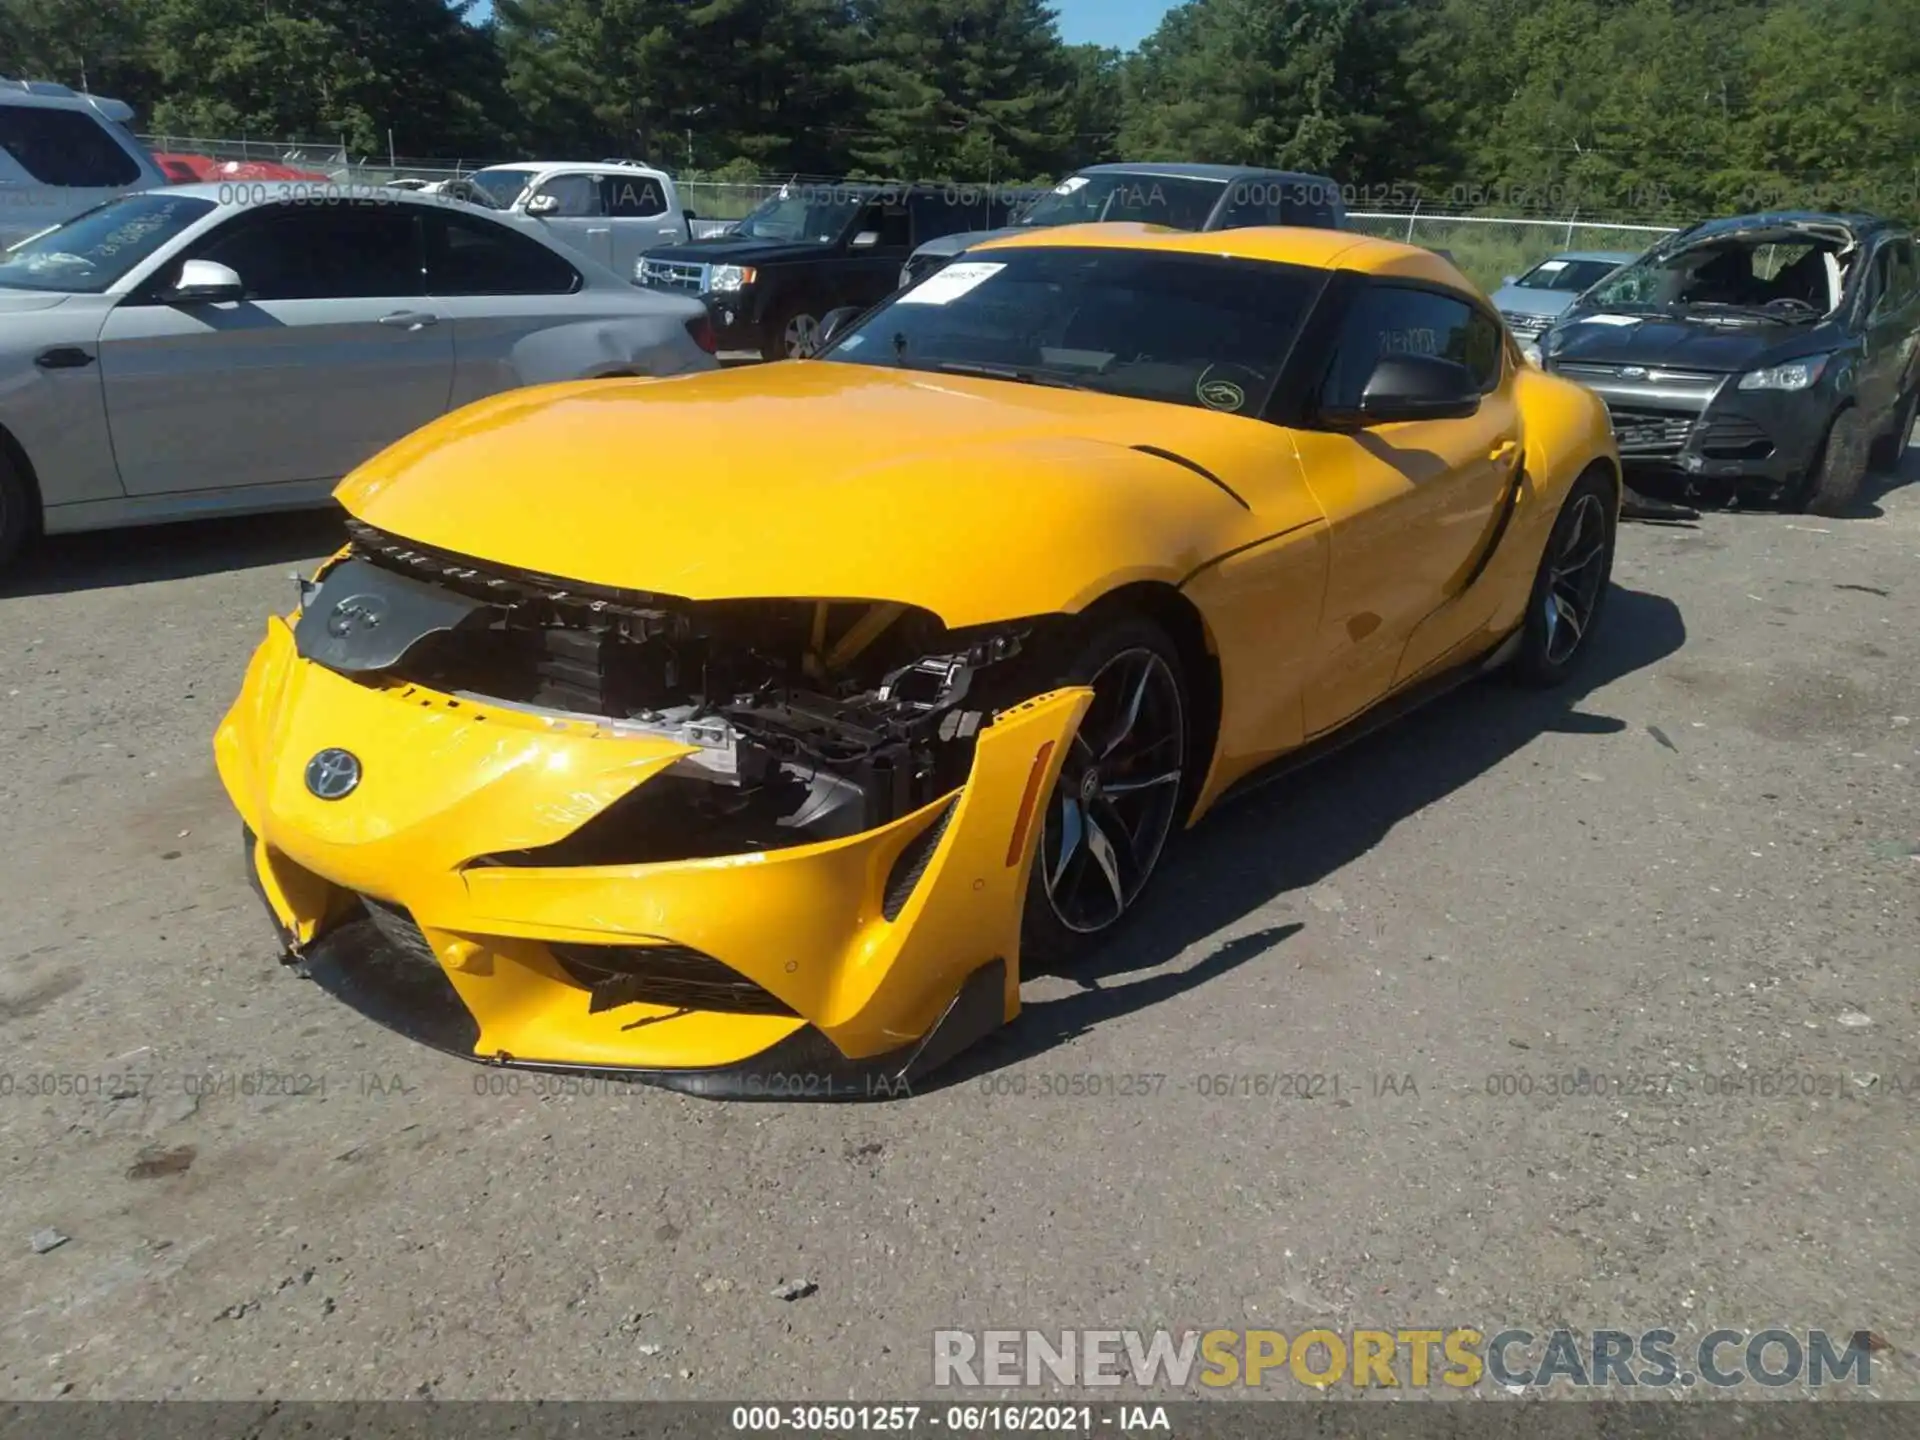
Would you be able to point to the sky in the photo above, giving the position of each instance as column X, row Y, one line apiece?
column 1124, row 23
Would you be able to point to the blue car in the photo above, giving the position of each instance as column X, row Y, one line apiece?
column 1530, row 303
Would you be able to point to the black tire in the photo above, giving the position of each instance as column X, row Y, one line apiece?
column 1570, row 588
column 19, row 511
column 1833, row 483
column 1070, row 895
column 794, row 315
column 1887, row 450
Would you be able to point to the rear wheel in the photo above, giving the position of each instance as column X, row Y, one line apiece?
column 19, row 511
column 1834, row 482
column 1887, row 450
column 1570, row 588
column 1122, row 788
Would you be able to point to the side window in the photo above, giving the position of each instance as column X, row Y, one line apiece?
column 636, row 197
column 1905, row 276
column 1310, row 203
column 467, row 256
column 929, row 219
column 321, row 253
column 64, row 147
column 1893, row 277
column 890, row 222
column 1252, row 202
column 1399, row 320
column 577, row 195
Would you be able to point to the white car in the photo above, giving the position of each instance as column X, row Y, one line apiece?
column 613, row 212
column 62, row 152
column 215, row 349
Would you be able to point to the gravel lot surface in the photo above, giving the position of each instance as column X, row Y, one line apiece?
column 1701, row 862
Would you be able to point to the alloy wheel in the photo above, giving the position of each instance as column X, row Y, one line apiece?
column 1575, row 575
column 1118, row 795
column 799, row 335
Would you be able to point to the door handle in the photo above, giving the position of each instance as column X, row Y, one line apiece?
column 63, row 357
column 411, row 319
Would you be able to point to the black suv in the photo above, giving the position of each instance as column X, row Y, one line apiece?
column 1777, row 354
column 810, row 249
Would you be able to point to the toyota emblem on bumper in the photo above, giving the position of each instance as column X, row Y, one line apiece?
column 333, row 774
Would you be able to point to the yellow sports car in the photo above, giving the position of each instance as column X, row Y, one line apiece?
column 749, row 732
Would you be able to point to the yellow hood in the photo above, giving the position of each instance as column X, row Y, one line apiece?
column 976, row 499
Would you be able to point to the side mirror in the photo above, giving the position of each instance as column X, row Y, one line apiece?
column 204, row 282
column 866, row 239
column 543, row 204
column 1412, row 387
column 689, row 216
column 831, row 324
column 1508, row 280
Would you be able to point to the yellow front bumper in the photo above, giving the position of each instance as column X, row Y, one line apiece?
column 866, row 1002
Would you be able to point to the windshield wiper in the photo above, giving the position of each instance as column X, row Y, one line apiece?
column 1757, row 312
column 1002, row 372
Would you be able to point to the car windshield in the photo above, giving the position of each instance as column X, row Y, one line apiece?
column 503, row 187
column 1184, row 329
column 1173, row 201
column 1786, row 276
column 92, row 251
column 790, row 215
column 1563, row 273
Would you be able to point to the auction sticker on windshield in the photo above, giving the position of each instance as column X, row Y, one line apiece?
column 950, row 284
column 1609, row 320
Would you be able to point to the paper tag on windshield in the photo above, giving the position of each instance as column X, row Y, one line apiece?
column 1609, row 320
column 950, row 284
column 1550, row 267
column 1069, row 185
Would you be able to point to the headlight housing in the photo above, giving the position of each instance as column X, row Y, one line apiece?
column 1793, row 375
column 731, row 277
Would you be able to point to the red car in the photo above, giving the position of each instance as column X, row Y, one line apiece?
column 193, row 169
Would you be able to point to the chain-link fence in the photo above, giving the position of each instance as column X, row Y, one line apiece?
column 1491, row 247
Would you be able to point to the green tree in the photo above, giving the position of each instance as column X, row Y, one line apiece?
column 969, row 89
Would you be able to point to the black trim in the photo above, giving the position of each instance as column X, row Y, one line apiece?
column 1197, row 468
column 63, row 357
column 1225, row 555
column 912, row 863
column 359, row 965
column 1500, row 524
column 1396, row 705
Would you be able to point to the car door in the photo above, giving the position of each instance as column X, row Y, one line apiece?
column 638, row 208
column 332, row 354
column 876, row 247
column 1412, row 506
column 497, row 288
column 1889, row 328
column 570, row 204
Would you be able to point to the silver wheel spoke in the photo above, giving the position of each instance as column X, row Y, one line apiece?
column 1568, row 615
column 1132, row 717
column 1130, row 787
column 1072, row 827
column 1584, row 559
column 1102, row 850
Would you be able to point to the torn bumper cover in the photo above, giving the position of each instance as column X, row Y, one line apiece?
column 464, row 885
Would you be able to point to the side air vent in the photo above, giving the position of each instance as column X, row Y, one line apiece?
column 904, row 878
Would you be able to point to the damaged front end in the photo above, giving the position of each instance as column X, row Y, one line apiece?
column 690, row 841
column 805, row 720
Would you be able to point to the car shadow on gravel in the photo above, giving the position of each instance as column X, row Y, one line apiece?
column 105, row 559
column 1293, row 834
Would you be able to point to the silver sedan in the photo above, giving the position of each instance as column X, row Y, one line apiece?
column 221, row 349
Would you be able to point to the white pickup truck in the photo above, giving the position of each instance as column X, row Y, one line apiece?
column 614, row 211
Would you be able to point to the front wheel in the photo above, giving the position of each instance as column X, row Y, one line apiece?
column 792, row 334
column 1837, row 475
column 1570, row 588
column 19, row 511
column 1122, row 788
